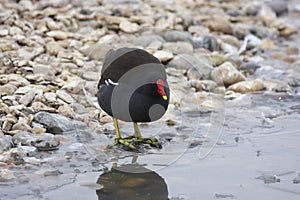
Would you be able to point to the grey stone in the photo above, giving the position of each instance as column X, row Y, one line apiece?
column 277, row 85
column 200, row 62
column 27, row 98
column 50, row 97
column 64, row 96
column 46, row 142
column 146, row 40
column 179, row 47
column 207, row 42
column 5, row 142
column 91, row 76
column 278, row 6
column 55, row 123
column 206, row 85
column 43, row 141
column 175, row 36
column 250, row 67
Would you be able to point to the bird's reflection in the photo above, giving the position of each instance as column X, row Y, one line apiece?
column 131, row 182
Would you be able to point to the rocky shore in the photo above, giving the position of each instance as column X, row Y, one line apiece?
column 51, row 53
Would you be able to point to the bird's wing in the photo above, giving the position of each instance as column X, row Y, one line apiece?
column 120, row 61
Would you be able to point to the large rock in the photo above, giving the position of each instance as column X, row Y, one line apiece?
column 226, row 74
column 55, row 123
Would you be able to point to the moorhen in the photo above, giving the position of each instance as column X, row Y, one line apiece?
column 133, row 87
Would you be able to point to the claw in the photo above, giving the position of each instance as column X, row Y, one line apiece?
column 134, row 144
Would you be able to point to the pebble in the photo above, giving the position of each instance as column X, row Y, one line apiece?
column 50, row 97
column 39, row 106
column 21, row 126
column 278, row 6
column 46, row 142
column 218, row 24
column 178, row 47
column 7, row 89
column 267, row 44
column 5, row 142
column 91, row 76
column 64, row 96
column 206, row 85
column 6, row 175
column 59, row 35
column 14, row 155
column 226, row 74
column 217, row 59
column 277, row 85
column 129, row 27
column 163, row 56
column 250, row 67
column 297, row 179
column 175, row 36
column 66, row 110
column 288, row 31
column 208, row 42
column 146, row 40
column 247, row 86
column 27, row 98
column 75, row 85
column 53, row 48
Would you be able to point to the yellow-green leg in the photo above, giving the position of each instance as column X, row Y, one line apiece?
column 116, row 125
column 119, row 139
column 141, row 140
column 137, row 132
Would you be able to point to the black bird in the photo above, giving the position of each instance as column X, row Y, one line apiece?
column 133, row 87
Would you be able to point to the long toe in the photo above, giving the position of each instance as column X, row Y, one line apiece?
column 132, row 143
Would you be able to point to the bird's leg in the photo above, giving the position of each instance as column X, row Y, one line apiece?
column 119, row 139
column 141, row 140
column 116, row 125
column 137, row 132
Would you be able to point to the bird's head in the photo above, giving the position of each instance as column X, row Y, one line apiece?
column 161, row 89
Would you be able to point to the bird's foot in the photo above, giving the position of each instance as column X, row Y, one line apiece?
column 135, row 143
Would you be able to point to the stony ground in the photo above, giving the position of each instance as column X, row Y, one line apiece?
column 51, row 52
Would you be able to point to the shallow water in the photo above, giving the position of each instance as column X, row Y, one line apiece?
column 257, row 155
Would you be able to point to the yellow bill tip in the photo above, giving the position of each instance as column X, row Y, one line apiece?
column 165, row 97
